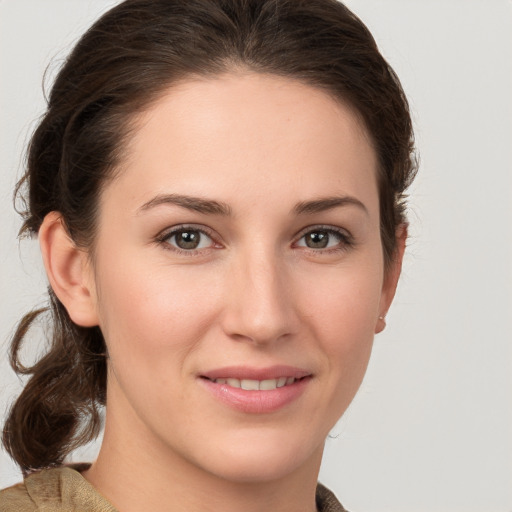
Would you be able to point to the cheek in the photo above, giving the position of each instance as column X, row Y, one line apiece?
column 343, row 309
column 344, row 301
column 151, row 318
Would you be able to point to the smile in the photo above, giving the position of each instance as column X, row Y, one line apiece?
column 257, row 385
column 256, row 391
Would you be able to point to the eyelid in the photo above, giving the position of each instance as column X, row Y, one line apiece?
column 168, row 232
column 347, row 240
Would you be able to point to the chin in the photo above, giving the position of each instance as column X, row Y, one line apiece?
column 264, row 460
column 257, row 471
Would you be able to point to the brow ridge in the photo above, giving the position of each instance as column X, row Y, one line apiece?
column 213, row 207
column 327, row 203
column 198, row 204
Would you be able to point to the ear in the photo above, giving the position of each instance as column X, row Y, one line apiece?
column 69, row 271
column 391, row 277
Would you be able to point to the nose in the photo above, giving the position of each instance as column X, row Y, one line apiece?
column 259, row 303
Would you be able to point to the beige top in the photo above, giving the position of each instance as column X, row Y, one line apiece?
column 65, row 489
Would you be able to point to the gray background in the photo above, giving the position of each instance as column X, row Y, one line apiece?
column 431, row 428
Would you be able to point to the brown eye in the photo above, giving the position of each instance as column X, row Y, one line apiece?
column 325, row 239
column 317, row 239
column 188, row 239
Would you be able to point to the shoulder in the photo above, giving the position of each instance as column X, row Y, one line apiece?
column 36, row 491
column 326, row 501
column 16, row 499
column 58, row 489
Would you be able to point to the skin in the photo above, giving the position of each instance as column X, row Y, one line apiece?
column 253, row 293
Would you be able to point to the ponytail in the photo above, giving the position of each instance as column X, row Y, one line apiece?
column 60, row 405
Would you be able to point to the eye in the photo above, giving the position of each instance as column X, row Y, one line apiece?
column 325, row 238
column 187, row 239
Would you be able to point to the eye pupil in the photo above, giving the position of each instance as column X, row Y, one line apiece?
column 317, row 239
column 188, row 239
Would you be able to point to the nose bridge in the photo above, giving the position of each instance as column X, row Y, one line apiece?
column 259, row 306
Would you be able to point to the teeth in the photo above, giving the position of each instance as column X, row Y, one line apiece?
column 234, row 383
column 250, row 385
column 257, row 385
column 267, row 385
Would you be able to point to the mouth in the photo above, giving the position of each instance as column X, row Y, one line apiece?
column 256, row 385
column 257, row 391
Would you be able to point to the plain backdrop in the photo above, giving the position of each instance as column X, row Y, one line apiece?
column 431, row 427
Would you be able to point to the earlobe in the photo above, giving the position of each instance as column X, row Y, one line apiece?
column 68, row 271
column 380, row 325
column 391, row 277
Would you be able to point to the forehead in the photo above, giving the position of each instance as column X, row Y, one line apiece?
column 251, row 133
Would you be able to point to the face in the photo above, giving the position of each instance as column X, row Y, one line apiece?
column 238, row 275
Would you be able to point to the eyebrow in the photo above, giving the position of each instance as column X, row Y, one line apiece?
column 212, row 207
column 327, row 203
column 197, row 204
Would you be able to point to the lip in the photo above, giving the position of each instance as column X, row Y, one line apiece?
column 246, row 372
column 256, row 402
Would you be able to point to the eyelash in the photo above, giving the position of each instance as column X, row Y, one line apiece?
column 346, row 240
column 163, row 239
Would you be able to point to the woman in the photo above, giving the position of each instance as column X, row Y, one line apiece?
column 217, row 187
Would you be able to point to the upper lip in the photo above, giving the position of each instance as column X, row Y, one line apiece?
column 250, row 373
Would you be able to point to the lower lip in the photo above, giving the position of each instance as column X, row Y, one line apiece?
column 257, row 402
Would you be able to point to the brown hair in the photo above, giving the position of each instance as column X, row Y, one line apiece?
column 120, row 65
